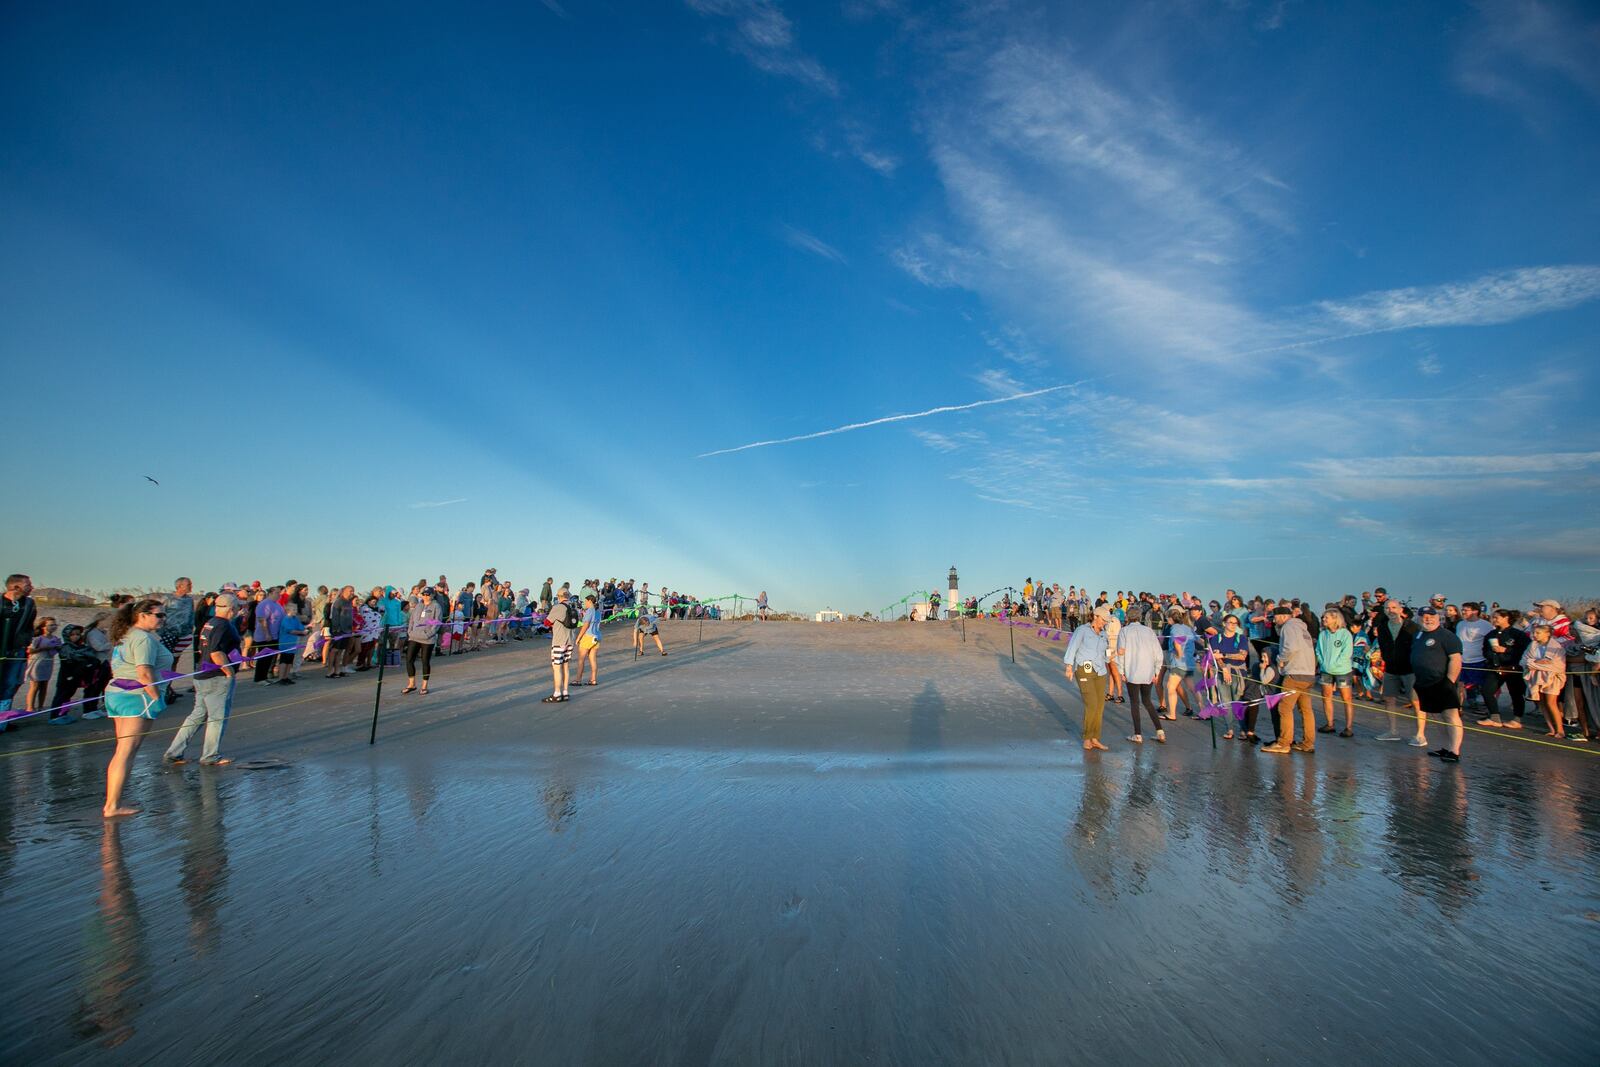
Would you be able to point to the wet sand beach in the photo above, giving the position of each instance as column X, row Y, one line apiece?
column 789, row 843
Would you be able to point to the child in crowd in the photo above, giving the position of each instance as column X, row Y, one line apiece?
column 1545, row 664
column 290, row 632
column 78, row 669
column 41, row 666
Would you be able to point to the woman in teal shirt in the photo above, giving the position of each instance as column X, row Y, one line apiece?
column 138, row 658
column 1335, row 660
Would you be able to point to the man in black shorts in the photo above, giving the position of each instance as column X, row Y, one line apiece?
column 1436, row 663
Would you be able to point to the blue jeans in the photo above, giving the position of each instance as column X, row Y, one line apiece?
column 11, row 671
column 213, row 699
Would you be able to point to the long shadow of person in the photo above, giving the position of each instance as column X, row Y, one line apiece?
column 116, row 961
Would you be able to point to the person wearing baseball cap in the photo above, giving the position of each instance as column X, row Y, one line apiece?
column 1436, row 667
column 1550, row 612
column 1297, row 663
column 1085, row 658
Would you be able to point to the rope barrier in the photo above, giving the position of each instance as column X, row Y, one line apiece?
column 1407, row 711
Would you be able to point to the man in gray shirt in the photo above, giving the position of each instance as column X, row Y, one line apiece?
column 1297, row 662
column 563, row 622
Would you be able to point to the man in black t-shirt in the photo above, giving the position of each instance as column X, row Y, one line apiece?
column 1436, row 664
column 1502, row 654
column 213, row 687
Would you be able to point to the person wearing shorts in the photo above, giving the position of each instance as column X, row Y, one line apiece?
column 589, row 641
column 1335, row 663
column 1436, row 661
column 138, row 658
column 563, row 622
column 646, row 627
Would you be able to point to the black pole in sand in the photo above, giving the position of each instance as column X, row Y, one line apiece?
column 383, row 658
column 1012, row 630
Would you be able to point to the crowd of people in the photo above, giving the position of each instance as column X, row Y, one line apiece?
column 1231, row 657
column 122, row 665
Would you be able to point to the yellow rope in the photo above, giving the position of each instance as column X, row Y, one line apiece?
column 1509, row 735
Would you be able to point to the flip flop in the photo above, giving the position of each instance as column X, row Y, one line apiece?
column 551, row 700
column 403, row 692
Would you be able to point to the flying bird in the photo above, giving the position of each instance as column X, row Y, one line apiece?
column 151, row 480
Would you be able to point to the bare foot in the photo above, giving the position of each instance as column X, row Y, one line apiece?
column 1102, row 747
column 1088, row 746
column 117, row 813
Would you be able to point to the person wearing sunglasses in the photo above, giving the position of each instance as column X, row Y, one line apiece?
column 137, row 655
column 213, row 687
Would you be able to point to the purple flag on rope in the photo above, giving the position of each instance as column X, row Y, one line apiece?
column 1271, row 699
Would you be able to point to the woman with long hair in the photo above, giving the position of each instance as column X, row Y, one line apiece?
column 1336, row 662
column 137, row 655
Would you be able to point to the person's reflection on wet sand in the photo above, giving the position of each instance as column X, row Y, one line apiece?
column 1294, row 832
column 1141, row 828
column 116, row 965
column 203, row 872
column 1341, row 816
column 560, row 803
column 1230, row 833
column 1092, row 848
column 1427, row 837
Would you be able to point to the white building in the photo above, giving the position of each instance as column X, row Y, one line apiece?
column 829, row 615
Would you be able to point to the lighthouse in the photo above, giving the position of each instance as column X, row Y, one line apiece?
column 952, row 606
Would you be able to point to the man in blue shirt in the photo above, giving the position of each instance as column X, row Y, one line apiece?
column 1086, row 664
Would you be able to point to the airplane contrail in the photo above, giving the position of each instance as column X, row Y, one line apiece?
column 894, row 418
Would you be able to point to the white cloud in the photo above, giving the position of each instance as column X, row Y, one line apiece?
column 1429, row 364
column 1486, row 301
column 439, row 503
column 764, row 36
column 807, row 242
column 1457, row 466
column 1516, row 43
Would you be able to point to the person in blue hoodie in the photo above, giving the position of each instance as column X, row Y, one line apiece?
column 395, row 609
column 291, row 636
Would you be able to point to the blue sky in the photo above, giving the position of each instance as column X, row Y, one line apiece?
column 382, row 294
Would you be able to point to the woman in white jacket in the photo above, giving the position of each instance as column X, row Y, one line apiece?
column 1139, row 661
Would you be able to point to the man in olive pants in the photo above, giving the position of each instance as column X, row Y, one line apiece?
column 1086, row 664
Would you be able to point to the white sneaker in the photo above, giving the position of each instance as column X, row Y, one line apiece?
column 1418, row 742
column 1389, row 737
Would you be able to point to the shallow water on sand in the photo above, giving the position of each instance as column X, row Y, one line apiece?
column 924, row 902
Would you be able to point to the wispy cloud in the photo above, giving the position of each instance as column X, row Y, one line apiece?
column 943, row 410
column 1486, row 301
column 438, row 503
column 1515, row 44
column 1459, row 466
column 763, row 35
column 807, row 242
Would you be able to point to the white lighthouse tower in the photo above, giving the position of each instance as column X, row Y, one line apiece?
column 952, row 606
